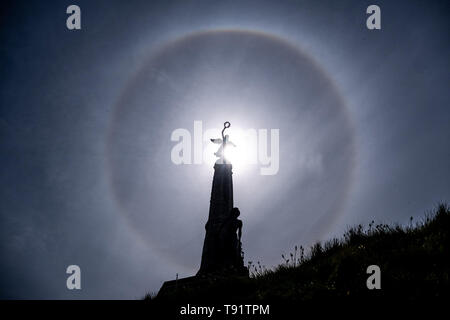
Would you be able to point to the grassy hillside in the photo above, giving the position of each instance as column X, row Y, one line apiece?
column 413, row 261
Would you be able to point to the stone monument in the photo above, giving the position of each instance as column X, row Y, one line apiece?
column 222, row 248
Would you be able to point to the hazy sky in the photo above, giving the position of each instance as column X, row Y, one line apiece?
column 86, row 119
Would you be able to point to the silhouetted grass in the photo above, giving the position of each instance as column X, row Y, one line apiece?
column 413, row 260
column 149, row 296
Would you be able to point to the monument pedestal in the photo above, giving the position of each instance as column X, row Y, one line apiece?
column 217, row 255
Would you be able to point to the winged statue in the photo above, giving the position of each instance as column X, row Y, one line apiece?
column 224, row 142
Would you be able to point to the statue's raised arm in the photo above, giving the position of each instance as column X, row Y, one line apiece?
column 226, row 125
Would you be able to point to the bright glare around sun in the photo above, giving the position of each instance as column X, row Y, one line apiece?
column 240, row 156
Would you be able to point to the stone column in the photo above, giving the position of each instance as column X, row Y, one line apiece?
column 220, row 207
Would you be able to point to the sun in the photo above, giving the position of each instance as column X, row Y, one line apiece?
column 243, row 154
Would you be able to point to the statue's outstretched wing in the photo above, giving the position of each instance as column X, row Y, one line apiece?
column 217, row 141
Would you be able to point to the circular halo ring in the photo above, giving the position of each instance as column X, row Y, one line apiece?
column 170, row 44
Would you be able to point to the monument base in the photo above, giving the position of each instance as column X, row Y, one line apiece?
column 183, row 288
column 172, row 287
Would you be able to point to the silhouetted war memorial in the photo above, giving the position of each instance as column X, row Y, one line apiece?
column 222, row 254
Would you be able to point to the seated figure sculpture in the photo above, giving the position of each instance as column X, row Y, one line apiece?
column 230, row 240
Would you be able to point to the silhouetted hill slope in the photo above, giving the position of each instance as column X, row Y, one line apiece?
column 413, row 261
